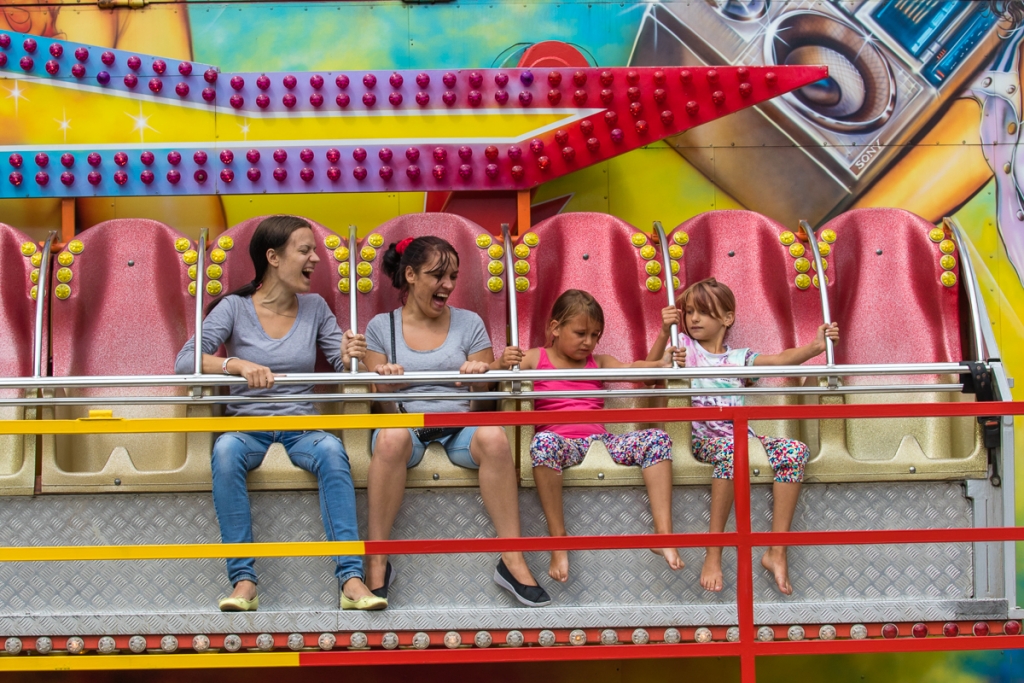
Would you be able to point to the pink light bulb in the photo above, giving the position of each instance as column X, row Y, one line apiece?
column 641, row 127
column 341, row 81
column 173, row 176
column 525, row 98
column 280, row 156
column 147, row 158
column 15, row 160
column 237, row 82
column 56, row 50
column 120, row 177
column 579, row 97
column 370, row 81
column 333, row 155
column 586, row 127
column 200, row 176
column 515, row 152
column 185, row 68
column 52, row 67
column 199, row 157
column 474, row 98
column 554, row 78
column 210, row 75
column 385, row 173
column 660, row 95
column 616, row 135
column 134, row 63
column 95, row 178
column 236, row 101
column 593, row 145
column 159, row 66
column 611, row 118
column 561, row 137
column 78, row 71
column 82, row 54
column 636, row 109
column 93, row 159
column 107, row 58
column 543, row 163
column 26, row 63
column 412, row 154
column 289, row 100
column 632, row 77
column 491, row 171
column 30, row 45
column 263, row 82
column 359, row 154
column 385, row 154
column 131, row 80
column 517, row 172
column 423, row 80
column 667, row 117
column 449, row 80
column 475, row 80
column 633, row 94
column 252, row 156
column 306, row 174
column 209, row 94
column 121, row 159
column 16, row 179
column 422, row 99
column 491, row 153
column 439, row 172
column 395, row 98
column 440, row 154
column 173, row 158
column 369, row 99
column 306, row 155
column 359, row 173
column 280, row 175
column 465, row 171
column 465, row 153
column 316, row 99
column 537, row 146
column 692, row 107
column 718, row 97
column 746, row 89
column 501, row 96
column 67, row 178
column 289, row 81
column 501, row 80
column 342, row 100
column 227, row 156
column 448, row 97
column 147, row 177
column 262, row 101
column 554, row 97
column 606, row 78
column 413, row 172
column 67, row 160
column 42, row 159
column 156, row 85
column 253, row 174
column 396, row 80
column 333, row 173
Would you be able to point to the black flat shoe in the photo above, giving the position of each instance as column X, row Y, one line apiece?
column 531, row 596
column 389, row 577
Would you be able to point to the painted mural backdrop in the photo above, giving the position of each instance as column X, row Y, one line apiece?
column 922, row 111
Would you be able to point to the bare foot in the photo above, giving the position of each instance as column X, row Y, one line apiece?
column 671, row 556
column 559, row 568
column 711, row 572
column 775, row 561
column 244, row 589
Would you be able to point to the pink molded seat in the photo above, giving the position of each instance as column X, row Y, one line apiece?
column 128, row 312
column 277, row 471
column 471, row 294
column 17, row 325
column 743, row 250
column 595, row 252
column 894, row 308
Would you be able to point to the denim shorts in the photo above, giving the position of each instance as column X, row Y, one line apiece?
column 455, row 445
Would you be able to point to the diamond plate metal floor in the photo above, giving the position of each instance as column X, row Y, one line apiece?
column 607, row 588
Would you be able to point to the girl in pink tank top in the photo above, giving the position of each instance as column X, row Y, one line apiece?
column 574, row 329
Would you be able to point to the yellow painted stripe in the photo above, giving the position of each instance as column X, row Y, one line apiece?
column 209, row 660
column 164, row 425
column 180, row 551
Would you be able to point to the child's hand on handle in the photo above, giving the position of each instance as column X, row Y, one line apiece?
column 670, row 315
column 389, row 369
column 352, row 346
column 511, row 356
column 676, row 355
column 827, row 331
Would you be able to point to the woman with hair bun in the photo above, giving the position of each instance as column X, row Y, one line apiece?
column 426, row 334
column 273, row 326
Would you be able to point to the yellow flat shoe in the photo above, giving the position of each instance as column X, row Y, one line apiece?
column 366, row 603
column 239, row 604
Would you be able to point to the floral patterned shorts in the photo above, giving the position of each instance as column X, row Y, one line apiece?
column 644, row 448
column 787, row 457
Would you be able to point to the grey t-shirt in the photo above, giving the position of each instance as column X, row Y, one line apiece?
column 466, row 336
column 234, row 324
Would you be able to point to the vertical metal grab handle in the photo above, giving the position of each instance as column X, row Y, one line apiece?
column 826, row 312
column 42, row 286
column 353, row 318
column 670, row 285
column 200, row 290
column 510, row 280
column 970, row 285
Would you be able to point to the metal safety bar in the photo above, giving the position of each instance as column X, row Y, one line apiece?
column 353, row 317
column 487, row 395
column 604, row 375
column 200, row 291
column 826, row 311
column 510, row 287
column 970, row 283
column 670, row 285
column 41, row 292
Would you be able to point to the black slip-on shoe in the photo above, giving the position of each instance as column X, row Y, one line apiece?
column 531, row 596
column 389, row 577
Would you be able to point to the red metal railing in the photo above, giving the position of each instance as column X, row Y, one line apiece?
column 748, row 648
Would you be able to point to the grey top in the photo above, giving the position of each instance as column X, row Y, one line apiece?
column 234, row 324
column 466, row 336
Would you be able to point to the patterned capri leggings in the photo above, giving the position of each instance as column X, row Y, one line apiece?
column 787, row 457
column 644, row 448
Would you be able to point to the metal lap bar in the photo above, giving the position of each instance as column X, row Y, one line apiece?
column 826, row 311
column 606, row 375
column 353, row 317
column 670, row 285
column 490, row 395
column 510, row 287
column 42, row 291
column 970, row 282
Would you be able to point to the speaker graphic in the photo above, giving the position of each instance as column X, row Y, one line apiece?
column 893, row 66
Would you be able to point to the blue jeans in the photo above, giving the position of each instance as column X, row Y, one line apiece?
column 235, row 454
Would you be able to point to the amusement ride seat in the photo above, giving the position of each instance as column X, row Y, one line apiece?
column 620, row 267
column 121, row 306
column 749, row 253
column 897, row 299
column 19, row 258
column 479, row 290
column 231, row 254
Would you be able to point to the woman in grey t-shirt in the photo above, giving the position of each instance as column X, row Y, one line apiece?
column 430, row 335
column 273, row 326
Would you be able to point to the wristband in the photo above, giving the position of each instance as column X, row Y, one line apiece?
column 224, row 365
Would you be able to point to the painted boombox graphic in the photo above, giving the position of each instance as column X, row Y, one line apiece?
column 893, row 65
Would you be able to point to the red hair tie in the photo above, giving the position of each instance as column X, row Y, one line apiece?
column 400, row 247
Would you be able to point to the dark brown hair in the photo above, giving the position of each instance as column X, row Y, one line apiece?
column 416, row 255
column 574, row 302
column 273, row 232
column 710, row 297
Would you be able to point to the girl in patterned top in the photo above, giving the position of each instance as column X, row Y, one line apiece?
column 574, row 328
column 709, row 310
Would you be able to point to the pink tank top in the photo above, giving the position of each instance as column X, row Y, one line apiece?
column 574, row 431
